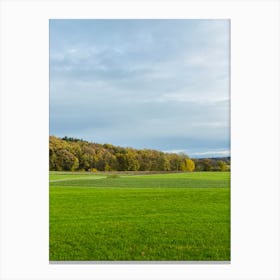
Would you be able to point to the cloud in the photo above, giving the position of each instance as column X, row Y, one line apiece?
column 204, row 154
column 157, row 83
column 223, row 153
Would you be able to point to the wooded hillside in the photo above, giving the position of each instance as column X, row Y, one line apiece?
column 71, row 154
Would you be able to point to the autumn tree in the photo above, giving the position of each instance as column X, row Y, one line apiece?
column 74, row 154
column 222, row 165
column 66, row 161
column 190, row 165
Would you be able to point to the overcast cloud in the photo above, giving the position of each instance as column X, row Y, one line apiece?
column 161, row 84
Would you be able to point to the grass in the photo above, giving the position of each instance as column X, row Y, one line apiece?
column 140, row 218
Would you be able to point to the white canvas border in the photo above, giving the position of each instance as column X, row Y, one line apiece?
column 254, row 143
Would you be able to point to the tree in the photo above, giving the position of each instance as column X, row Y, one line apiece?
column 144, row 160
column 163, row 163
column 76, row 154
column 127, row 162
column 206, row 164
column 66, row 161
column 222, row 165
column 190, row 165
column 52, row 159
column 174, row 162
column 187, row 165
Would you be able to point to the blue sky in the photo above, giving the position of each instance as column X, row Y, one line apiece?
column 160, row 84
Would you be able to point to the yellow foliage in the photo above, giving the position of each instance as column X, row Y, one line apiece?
column 190, row 166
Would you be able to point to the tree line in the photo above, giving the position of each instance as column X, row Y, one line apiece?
column 72, row 154
column 212, row 164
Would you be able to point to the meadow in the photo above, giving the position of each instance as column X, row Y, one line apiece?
column 153, row 217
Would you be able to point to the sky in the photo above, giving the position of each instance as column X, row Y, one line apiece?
column 156, row 84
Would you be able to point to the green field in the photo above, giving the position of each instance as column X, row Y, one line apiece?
column 160, row 217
